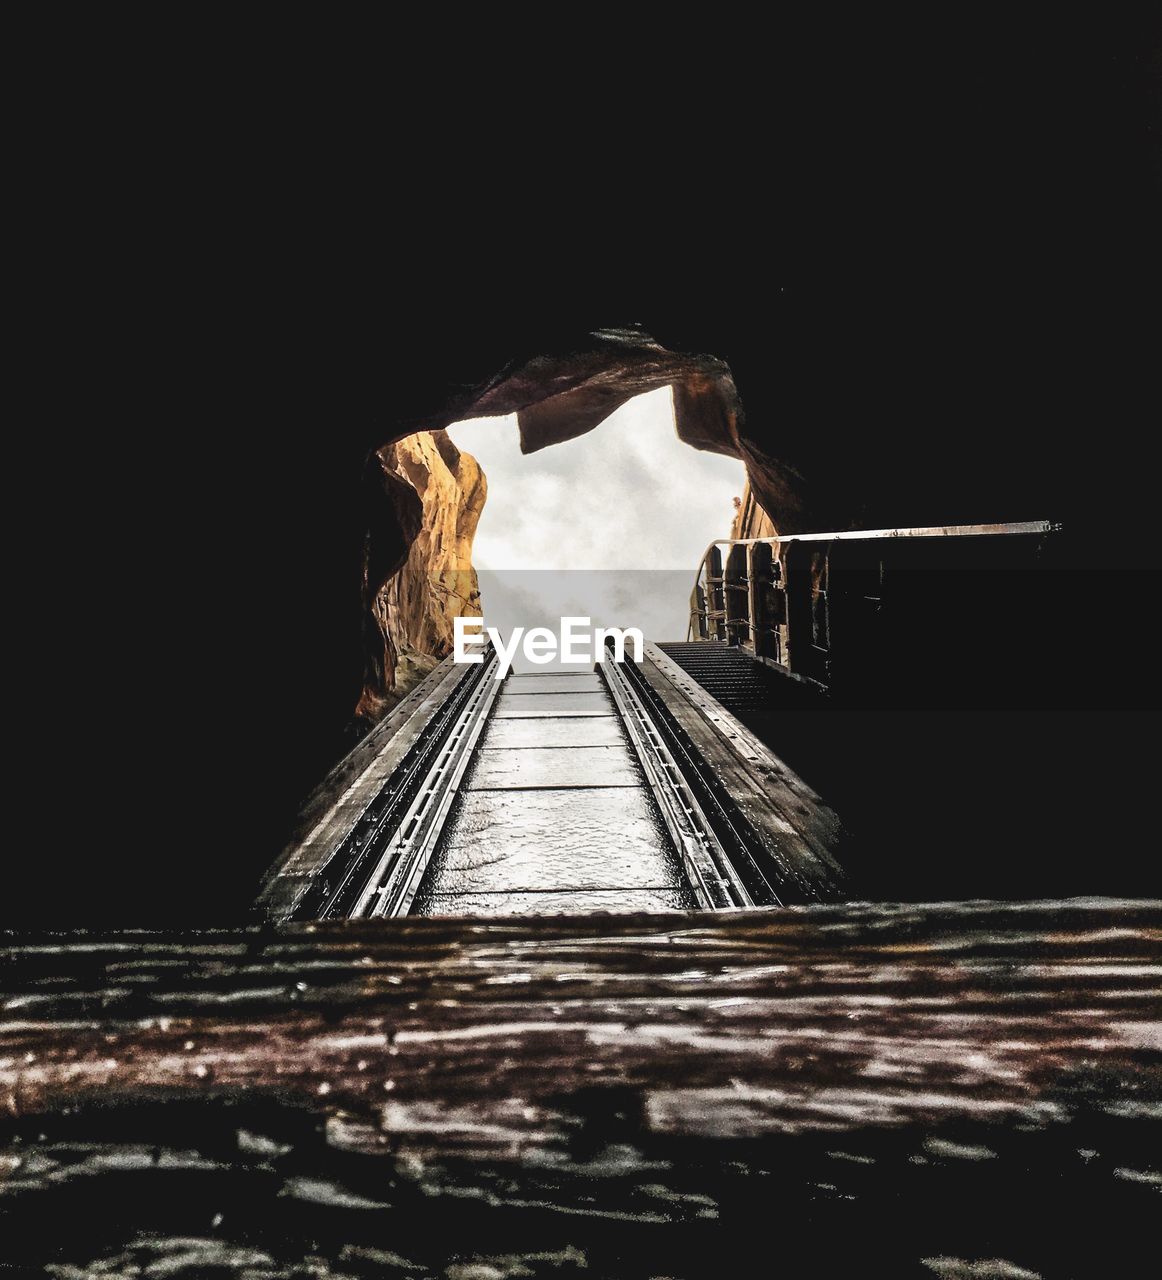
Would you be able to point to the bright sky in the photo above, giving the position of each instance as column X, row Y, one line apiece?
column 628, row 495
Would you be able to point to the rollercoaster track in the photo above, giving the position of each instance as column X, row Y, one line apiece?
column 390, row 820
column 741, row 850
column 389, row 832
column 713, row 877
column 392, row 886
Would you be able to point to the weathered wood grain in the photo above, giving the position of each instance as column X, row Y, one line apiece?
column 800, row 832
column 634, row 1095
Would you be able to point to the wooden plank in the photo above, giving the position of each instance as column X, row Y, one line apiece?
column 800, row 832
column 554, row 903
column 745, row 745
column 516, row 767
column 337, row 804
column 564, row 731
column 626, row 1096
column 606, row 838
column 511, row 706
column 554, row 682
column 421, row 701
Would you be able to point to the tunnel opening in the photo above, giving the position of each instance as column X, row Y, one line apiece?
column 604, row 526
column 578, row 507
column 902, row 760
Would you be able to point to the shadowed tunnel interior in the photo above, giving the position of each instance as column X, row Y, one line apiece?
column 905, row 269
column 936, row 316
column 261, row 655
column 855, row 435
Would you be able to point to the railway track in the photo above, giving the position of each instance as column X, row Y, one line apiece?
column 622, row 788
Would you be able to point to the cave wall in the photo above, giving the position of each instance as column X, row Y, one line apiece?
column 750, row 520
column 805, row 472
column 409, row 617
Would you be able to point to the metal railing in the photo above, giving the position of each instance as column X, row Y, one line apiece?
column 740, row 594
column 736, row 593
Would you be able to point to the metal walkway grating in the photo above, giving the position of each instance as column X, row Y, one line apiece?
column 744, row 686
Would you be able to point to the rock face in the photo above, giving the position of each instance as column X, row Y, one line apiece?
column 750, row 520
column 440, row 493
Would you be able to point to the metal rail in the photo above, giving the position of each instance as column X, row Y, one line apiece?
column 363, row 852
column 714, row 881
column 768, row 880
column 392, row 885
column 377, row 867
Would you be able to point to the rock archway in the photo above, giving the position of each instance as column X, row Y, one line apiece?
column 425, row 494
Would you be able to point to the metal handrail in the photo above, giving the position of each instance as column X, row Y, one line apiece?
column 705, row 614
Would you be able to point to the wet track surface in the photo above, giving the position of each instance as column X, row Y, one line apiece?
column 623, row 788
column 554, row 814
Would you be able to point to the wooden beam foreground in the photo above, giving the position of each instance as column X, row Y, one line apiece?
column 607, row 1095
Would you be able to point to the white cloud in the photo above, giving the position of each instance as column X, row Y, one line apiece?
column 628, row 495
